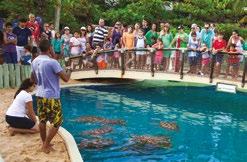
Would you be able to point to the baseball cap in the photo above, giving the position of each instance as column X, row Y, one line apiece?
column 193, row 25
column 66, row 28
column 83, row 28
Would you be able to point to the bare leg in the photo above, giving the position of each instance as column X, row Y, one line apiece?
column 42, row 128
column 47, row 143
column 12, row 130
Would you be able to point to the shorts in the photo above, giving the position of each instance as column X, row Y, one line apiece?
column 26, row 60
column 58, row 53
column 219, row 58
column 193, row 61
column 19, row 122
column 10, row 57
column 205, row 61
column 50, row 110
column 20, row 52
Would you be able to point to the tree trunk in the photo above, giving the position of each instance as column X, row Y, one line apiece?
column 57, row 14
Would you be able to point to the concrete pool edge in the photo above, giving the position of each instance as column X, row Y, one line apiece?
column 71, row 146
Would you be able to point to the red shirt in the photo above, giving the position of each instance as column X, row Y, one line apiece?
column 34, row 27
column 219, row 44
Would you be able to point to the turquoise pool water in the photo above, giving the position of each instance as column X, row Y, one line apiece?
column 212, row 125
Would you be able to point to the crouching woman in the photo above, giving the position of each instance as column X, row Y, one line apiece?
column 20, row 115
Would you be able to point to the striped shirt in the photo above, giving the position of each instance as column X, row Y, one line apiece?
column 99, row 34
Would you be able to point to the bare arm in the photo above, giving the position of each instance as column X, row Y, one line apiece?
column 30, row 112
column 65, row 75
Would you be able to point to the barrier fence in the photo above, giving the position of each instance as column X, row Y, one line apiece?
column 11, row 75
column 182, row 61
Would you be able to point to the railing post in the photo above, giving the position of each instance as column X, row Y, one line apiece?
column 182, row 65
column 212, row 68
column 96, row 68
column 122, row 61
column 244, row 72
column 152, row 51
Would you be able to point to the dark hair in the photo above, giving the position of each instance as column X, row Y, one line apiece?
column 193, row 34
column 8, row 24
column 23, row 20
column 236, row 31
column 28, row 47
column 233, row 45
column 44, row 45
column 34, row 52
column 27, row 83
column 56, row 35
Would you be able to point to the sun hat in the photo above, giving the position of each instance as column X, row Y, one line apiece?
column 66, row 28
column 83, row 28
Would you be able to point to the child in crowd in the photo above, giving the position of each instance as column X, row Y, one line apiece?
column 57, row 45
column 9, row 46
column 116, row 57
column 193, row 46
column 20, row 115
column 34, row 52
column 219, row 45
column 108, row 56
column 87, row 60
column 83, row 39
column 159, row 54
column 205, row 59
column 233, row 62
column 27, row 57
column 75, row 49
column 75, row 45
column 101, row 62
column 140, row 42
column 128, row 42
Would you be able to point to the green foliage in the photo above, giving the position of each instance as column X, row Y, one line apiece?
column 228, row 28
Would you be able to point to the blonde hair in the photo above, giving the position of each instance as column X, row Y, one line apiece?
column 31, row 15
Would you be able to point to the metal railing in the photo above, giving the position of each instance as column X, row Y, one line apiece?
column 152, row 51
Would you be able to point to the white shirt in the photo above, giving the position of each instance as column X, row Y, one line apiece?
column 18, row 107
column 76, row 42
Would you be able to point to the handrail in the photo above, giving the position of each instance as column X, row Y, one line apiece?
column 152, row 51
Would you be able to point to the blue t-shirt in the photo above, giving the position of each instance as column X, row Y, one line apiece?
column 45, row 70
column 22, row 35
column 207, row 37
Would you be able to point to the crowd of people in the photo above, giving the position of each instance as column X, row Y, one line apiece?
column 20, row 43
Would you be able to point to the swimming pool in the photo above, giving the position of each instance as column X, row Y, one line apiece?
column 212, row 125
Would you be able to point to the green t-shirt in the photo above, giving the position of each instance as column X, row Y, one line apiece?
column 183, row 36
column 56, row 44
column 167, row 39
column 149, row 36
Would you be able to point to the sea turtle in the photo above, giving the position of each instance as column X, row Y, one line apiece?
column 97, row 143
column 155, row 141
column 96, row 119
column 114, row 121
column 89, row 119
column 97, row 132
column 169, row 125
